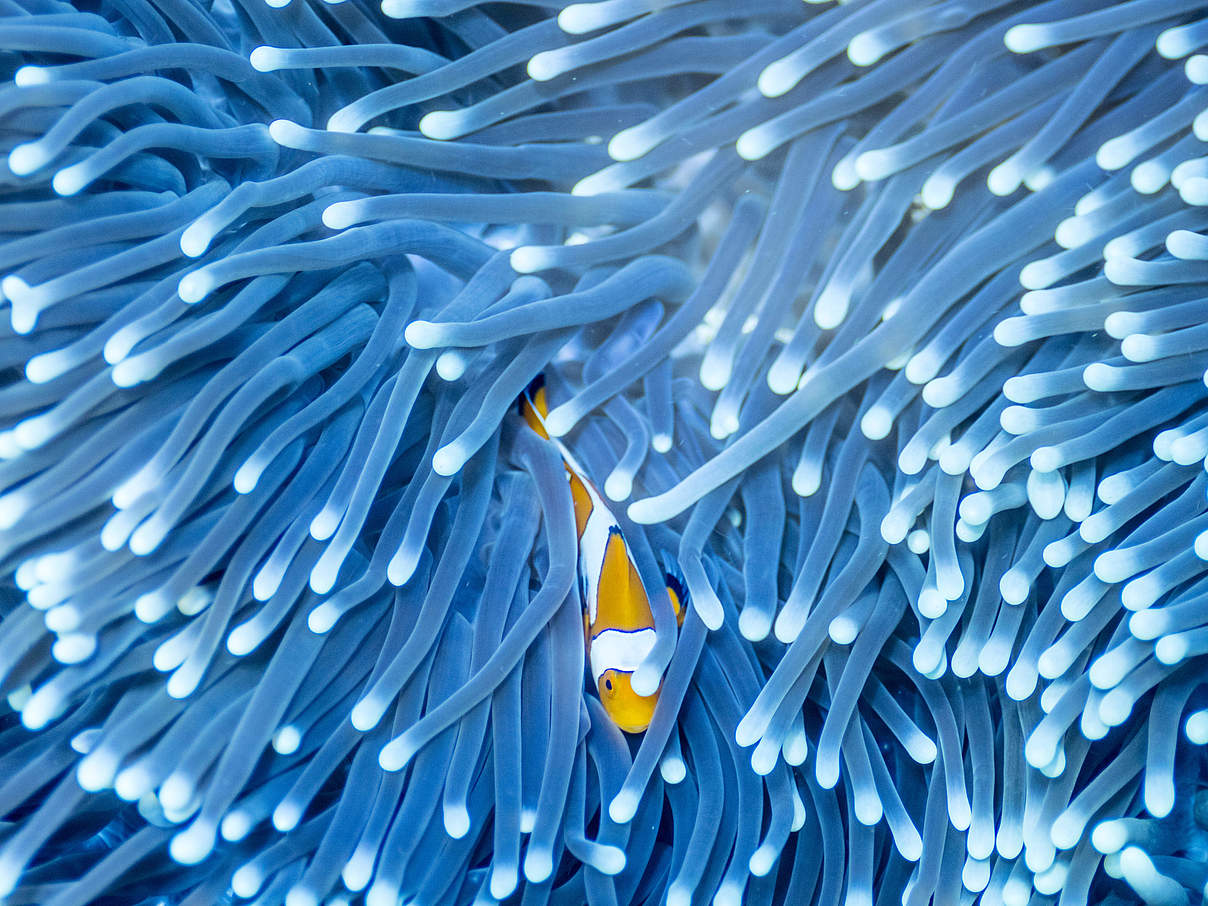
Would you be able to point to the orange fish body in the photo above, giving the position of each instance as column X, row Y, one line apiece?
column 618, row 622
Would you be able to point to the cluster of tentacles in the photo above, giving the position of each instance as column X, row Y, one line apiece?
column 884, row 325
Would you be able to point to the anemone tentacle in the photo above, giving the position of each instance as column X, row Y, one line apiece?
column 881, row 325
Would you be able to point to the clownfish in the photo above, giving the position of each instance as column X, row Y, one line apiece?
column 618, row 625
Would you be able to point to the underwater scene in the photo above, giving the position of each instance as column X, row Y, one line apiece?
column 613, row 453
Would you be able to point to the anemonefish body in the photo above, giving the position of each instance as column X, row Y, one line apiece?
column 618, row 623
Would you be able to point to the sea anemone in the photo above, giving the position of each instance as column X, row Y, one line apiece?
column 880, row 324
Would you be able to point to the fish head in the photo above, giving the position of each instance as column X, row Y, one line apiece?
column 628, row 710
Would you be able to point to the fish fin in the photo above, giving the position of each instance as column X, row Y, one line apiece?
column 534, row 406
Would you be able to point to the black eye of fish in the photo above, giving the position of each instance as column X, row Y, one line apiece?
column 608, row 684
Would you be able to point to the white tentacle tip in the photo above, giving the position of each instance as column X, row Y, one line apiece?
column 395, row 755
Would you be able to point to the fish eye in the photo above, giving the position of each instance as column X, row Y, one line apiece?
column 608, row 684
